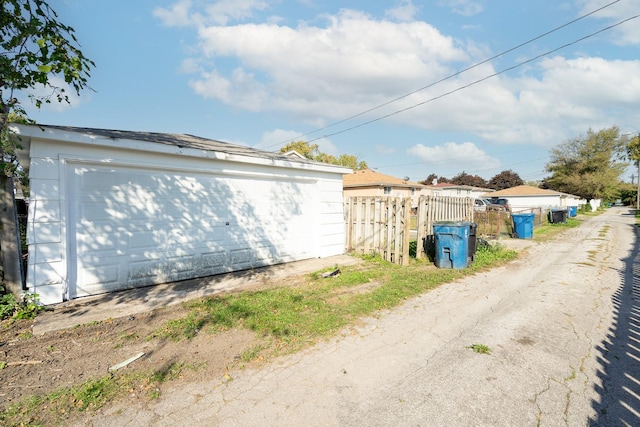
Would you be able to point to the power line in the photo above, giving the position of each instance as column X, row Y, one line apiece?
column 448, row 77
column 474, row 82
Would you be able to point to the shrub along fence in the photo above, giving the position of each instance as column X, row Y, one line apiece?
column 382, row 225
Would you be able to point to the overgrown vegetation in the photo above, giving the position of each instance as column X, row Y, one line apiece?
column 302, row 314
column 548, row 230
column 16, row 309
column 480, row 348
column 590, row 166
column 289, row 318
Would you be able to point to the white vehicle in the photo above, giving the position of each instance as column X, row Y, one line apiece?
column 480, row 205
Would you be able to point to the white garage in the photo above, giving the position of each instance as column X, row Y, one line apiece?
column 112, row 210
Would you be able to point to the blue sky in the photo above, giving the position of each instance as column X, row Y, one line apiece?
column 263, row 73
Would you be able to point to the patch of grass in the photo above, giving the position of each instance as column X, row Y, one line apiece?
column 571, row 376
column 548, row 230
column 25, row 335
column 603, row 231
column 289, row 318
column 251, row 353
column 126, row 337
column 172, row 371
column 296, row 316
column 480, row 348
column 89, row 396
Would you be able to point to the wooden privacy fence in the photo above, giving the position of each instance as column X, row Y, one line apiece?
column 378, row 225
column 382, row 225
column 439, row 208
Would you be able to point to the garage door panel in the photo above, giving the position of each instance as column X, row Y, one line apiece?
column 213, row 262
column 157, row 227
column 241, row 259
column 98, row 279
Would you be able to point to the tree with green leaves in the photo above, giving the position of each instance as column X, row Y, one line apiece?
column 464, row 178
column 590, row 166
column 633, row 154
column 505, row 179
column 312, row 152
column 433, row 177
column 38, row 51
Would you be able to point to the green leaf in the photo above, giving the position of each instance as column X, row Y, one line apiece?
column 45, row 68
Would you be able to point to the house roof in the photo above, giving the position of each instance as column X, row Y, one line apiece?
column 524, row 190
column 368, row 178
column 175, row 143
column 447, row 185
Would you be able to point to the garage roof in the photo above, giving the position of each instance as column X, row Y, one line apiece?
column 174, row 143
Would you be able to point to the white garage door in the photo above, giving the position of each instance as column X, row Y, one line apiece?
column 132, row 227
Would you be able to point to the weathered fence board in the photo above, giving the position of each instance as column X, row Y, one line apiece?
column 378, row 225
column 431, row 209
column 382, row 224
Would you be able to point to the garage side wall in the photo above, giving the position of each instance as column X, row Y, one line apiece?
column 102, row 220
column 522, row 203
column 46, row 269
column 331, row 231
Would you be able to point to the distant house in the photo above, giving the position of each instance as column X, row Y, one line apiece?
column 524, row 197
column 454, row 190
column 368, row 182
column 112, row 209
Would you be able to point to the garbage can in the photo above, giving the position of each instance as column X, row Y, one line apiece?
column 557, row 216
column 473, row 241
column 573, row 211
column 523, row 224
column 452, row 243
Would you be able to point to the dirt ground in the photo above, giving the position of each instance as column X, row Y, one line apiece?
column 38, row 364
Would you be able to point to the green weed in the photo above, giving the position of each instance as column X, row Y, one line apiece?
column 170, row 372
column 18, row 309
column 251, row 353
column 289, row 318
column 300, row 315
column 480, row 348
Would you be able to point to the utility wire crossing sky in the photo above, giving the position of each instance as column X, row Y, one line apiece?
column 500, row 83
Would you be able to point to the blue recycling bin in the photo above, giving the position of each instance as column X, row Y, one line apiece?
column 452, row 243
column 573, row 211
column 523, row 224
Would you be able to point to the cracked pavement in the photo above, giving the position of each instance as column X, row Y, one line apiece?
column 562, row 323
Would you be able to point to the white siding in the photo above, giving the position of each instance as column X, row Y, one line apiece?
column 526, row 202
column 102, row 219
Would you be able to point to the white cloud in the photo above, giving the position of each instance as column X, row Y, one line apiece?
column 455, row 156
column 175, row 16
column 223, row 11
column 330, row 71
column 46, row 92
column 463, row 7
column 383, row 149
column 626, row 33
column 219, row 12
column 404, row 12
column 352, row 62
column 277, row 138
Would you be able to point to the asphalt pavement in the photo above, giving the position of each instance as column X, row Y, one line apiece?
column 561, row 325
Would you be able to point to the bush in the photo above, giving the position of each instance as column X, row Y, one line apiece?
column 27, row 308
